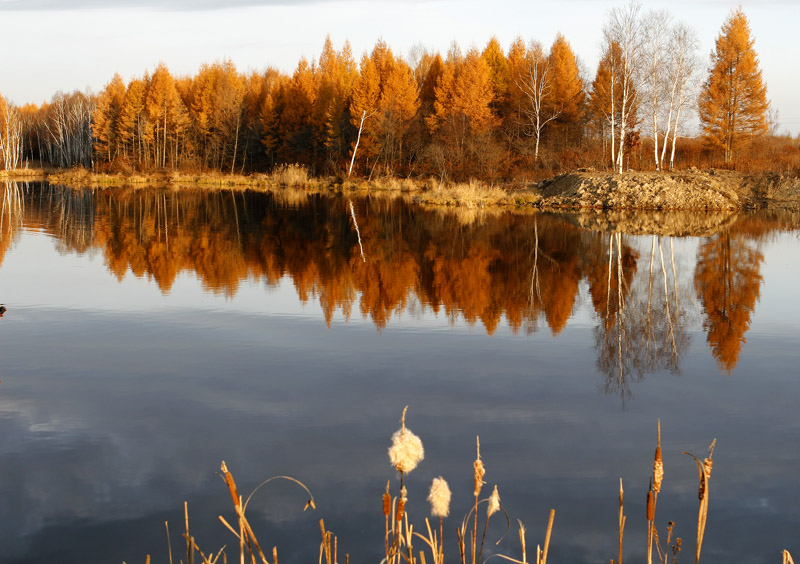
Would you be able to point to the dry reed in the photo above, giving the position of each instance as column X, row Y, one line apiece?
column 399, row 531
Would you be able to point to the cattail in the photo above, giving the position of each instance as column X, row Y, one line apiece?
column 658, row 464
column 658, row 471
column 651, row 508
column 406, row 450
column 401, row 505
column 480, row 471
column 494, row 503
column 439, row 497
column 708, row 464
column 387, row 501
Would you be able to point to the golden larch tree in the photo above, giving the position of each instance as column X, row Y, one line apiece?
column 105, row 118
column 733, row 103
column 131, row 123
column 167, row 115
column 498, row 70
column 567, row 87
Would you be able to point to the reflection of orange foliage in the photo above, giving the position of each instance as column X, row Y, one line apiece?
column 728, row 282
column 478, row 271
column 461, row 283
column 521, row 267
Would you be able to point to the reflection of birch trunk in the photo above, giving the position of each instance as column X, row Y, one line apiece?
column 535, row 269
column 12, row 207
column 358, row 233
column 166, row 222
column 666, row 304
column 649, row 332
column 675, row 293
column 610, row 256
column 620, row 314
column 236, row 218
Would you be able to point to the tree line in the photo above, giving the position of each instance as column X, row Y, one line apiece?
column 492, row 113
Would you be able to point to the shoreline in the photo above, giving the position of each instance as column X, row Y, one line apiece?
column 587, row 189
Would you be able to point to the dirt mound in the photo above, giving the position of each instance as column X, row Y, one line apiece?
column 685, row 190
column 671, row 223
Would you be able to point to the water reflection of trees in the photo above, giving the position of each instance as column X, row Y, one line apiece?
column 11, row 214
column 728, row 283
column 526, row 269
column 642, row 325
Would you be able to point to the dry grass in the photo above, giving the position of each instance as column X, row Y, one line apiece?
column 470, row 194
column 400, row 534
column 290, row 175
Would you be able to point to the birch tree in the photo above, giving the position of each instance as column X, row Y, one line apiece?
column 536, row 86
column 655, row 28
column 10, row 135
column 624, row 27
column 683, row 65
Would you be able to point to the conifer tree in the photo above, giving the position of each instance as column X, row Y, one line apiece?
column 733, row 103
column 105, row 118
column 567, row 84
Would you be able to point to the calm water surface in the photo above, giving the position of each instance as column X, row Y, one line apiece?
column 151, row 334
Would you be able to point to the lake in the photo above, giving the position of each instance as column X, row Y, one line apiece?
column 151, row 334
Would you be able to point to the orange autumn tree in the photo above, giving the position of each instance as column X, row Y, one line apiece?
column 733, row 103
column 337, row 74
column 105, row 119
column 463, row 119
column 167, row 116
column 568, row 89
column 499, row 72
column 385, row 101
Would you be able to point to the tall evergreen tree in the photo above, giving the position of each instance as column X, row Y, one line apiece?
column 733, row 103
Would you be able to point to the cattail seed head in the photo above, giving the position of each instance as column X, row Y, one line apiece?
column 479, row 470
column 401, row 504
column 494, row 503
column 439, row 497
column 708, row 464
column 651, row 508
column 658, row 471
column 406, row 450
column 387, row 501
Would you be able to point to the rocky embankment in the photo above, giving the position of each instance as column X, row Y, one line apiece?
column 685, row 190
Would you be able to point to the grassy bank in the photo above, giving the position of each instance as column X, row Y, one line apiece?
column 424, row 191
column 582, row 189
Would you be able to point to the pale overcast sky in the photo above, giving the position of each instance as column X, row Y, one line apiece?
column 53, row 45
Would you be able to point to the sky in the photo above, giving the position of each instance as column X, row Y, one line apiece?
column 54, row 45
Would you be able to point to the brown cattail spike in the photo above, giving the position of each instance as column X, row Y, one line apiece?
column 387, row 501
column 658, row 471
column 658, row 463
column 401, row 507
column 231, row 484
column 651, row 510
column 480, row 471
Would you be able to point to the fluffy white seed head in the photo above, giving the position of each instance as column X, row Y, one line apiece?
column 439, row 497
column 406, row 450
column 494, row 503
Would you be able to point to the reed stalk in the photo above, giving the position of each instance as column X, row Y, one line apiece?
column 704, row 474
column 621, row 520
